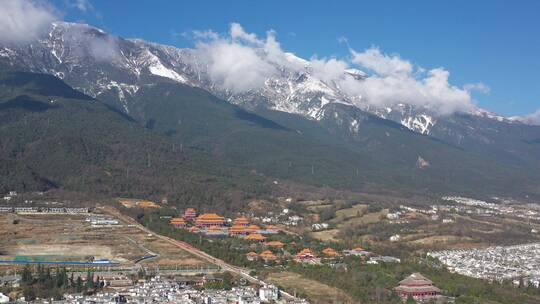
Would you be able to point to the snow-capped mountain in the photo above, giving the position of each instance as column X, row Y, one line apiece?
column 100, row 64
column 113, row 68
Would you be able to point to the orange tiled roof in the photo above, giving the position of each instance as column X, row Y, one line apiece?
column 191, row 210
column 275, row 244
column 272, row 227
column 255, row 237
column 241, row 219
column 330, row 252
column 252, row 254
column 210, row 216
column 268, row 255
column 237, row 228
column 177, row 220
column 306, row 251
column 359, row 249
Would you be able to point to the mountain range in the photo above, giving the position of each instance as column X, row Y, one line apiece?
column 297, row 126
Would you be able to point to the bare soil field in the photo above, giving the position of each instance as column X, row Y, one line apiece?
column 315, row 291
column 135, row 203
column 71, row 238
column 326, row 235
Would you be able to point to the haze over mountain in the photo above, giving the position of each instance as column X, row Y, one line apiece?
column 322, row 121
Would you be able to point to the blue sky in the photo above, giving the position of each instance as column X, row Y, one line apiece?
column 493, row 42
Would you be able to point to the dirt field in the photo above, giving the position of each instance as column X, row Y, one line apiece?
column 326, row 235
column 315, row 291
column 133, row 203
column 71, row 238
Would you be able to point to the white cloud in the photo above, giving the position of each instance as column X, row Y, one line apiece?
column 235, row 66
column 480, row 87
column 104, row 48
column 82, row 5
column 237, row 33
column 532, row 119
column 395, row 80
column 328, row 70
column 22, row 21
column 241, row 61
column 382, row 64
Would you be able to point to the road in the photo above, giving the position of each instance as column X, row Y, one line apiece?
column 194, row 251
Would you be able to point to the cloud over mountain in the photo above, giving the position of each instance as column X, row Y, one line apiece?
column 23, row 21
column 532, row 119
column 241, row 61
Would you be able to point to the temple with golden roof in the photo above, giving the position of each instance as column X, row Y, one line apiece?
column 305, row 255
column 208, row 220
column 255, row 237
column 275, row 244
column 330, row 252
column 241, row 221
column 253, row 229
column 237, row 230
column 178, row 222
column 268, row 255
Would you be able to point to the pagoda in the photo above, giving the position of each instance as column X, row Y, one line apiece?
column 418, row 287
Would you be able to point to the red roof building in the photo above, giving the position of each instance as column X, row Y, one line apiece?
column 418, row 287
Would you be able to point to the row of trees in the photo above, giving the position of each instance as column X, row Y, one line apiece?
column 41, row 282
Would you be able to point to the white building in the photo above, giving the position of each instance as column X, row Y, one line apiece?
column 395, row 238
column 268, row 293
column 4, row 298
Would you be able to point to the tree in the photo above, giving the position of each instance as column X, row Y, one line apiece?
column 79, row 284
column 227, row 280
column 410, row 300
column 26, row 275
column 89, row 280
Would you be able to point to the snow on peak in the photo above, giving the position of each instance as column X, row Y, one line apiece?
column 421, row 123
column 157, row 68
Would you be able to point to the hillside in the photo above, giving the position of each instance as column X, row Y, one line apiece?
column 55, row 137
column 185, row 144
